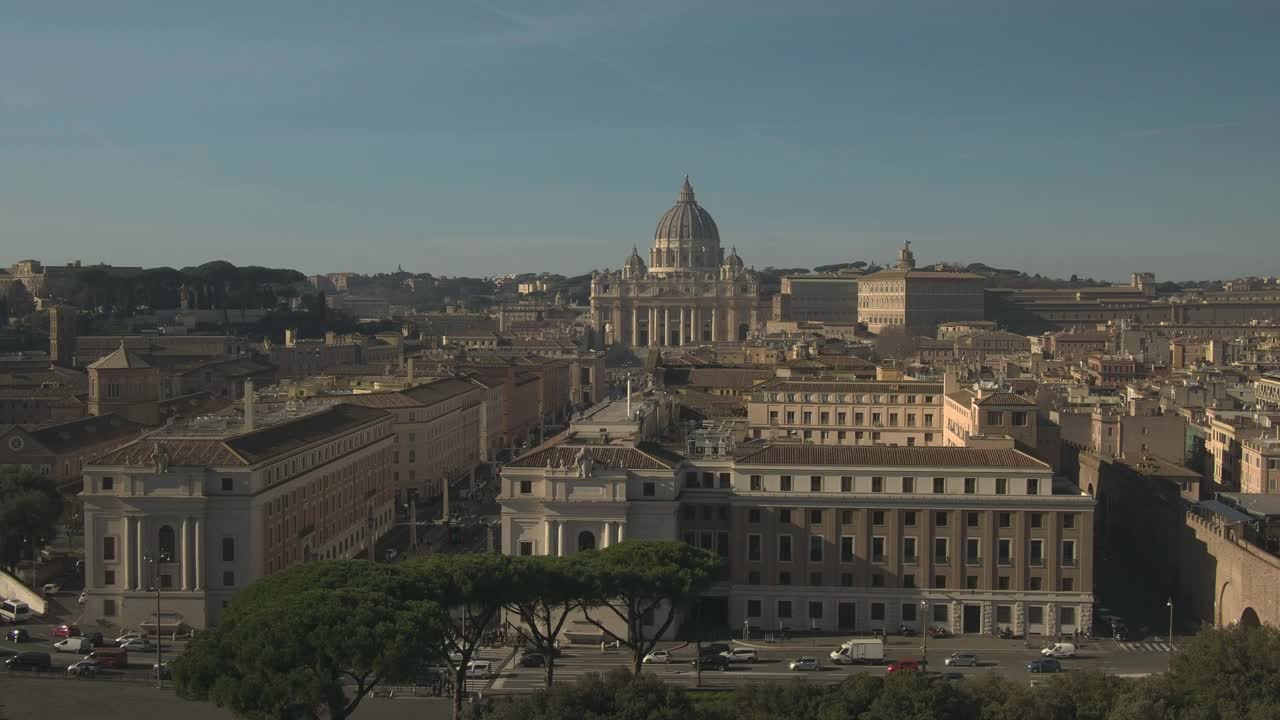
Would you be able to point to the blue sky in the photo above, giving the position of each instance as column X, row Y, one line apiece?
column 488, row 136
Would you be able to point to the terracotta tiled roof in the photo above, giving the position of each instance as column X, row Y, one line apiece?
column 120, row 359
column 286, row 437
column 964, row 397
column 853, row 386
column 889, row 456
column 609, row 457
column 86, row 431
column 208, row 452
column 1005, row 398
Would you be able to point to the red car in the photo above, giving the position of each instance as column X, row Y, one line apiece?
column 66, row 631
column 903, row 666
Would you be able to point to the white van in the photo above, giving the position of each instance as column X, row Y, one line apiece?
column 15, row 611
column 80, row 645
column 480, row 669
column 1059, row 650
column 859, row 650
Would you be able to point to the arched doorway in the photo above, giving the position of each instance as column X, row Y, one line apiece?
column 586, row 541
column 167, row 544
column 1249, row 618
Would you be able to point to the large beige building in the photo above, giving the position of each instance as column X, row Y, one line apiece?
column 916, row 301
column 201, row 512
column 833, row 412
column 835, row 538
column 819, row 297
column 689, row 292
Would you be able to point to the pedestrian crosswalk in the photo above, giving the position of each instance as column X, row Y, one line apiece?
column 1143, row 646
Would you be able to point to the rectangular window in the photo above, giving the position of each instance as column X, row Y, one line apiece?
column 846, row 579
column 815, row 548
column 725, row 481
column 784, row 516
column 1005, row 551
column 846, row 484
column 526, row 548
column 1002, row 582
column 108, row 577
column 815, row 517
column 708, row 480
column 1036, row 554
column 228, row 549
column 1033, row 486
column 995, row 417
column 909, row 550
column 940, row 550
column 877, row 549
column 1069, row 553
column 1068, row 584
column 808, row 418
column 940, row 612
column 784, row 608
column 753, row 577
column 1035, row 583
column 908, row 580
column 691, row 479
column 1068, row 521
column 526, row 487
column 972, row 554
column 970, row 486
column 108, row 484
column 842, row 418
column 753, row 515
column 228, row 484
column 908, row 612
column 877, row 580
column 877, row 484
column 785, row 483
column 846, row 548
column 939, row 486
column 757, row 483
column 877, row 611
column 649, row 489
column 1005, row 519
column 784, row 578
column 108, row 608
column 1066, row 616
column 972, row 519
column 1002, row 486
column 228, row 579
column 722, row 544
column 753, row 608
column 815, row 578
column 824, row 418
column 940, row 518
column 753, row 547
column 846, row 517
column 815, row 610
column 1020, row 419
column 1035, row 520
column 108, row 548
column 877, row 517
column 909, row 518
column 971, row 582
column 784, row 548
column 858, row 418
column 908, row 485
column 940, row 582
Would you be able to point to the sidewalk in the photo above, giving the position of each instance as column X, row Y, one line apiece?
column 899, row 642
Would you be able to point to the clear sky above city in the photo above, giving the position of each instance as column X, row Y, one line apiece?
column 489, row 136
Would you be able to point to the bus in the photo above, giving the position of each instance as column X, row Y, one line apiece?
column 15, row 611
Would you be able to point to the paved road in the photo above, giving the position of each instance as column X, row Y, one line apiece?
column 1006, row 658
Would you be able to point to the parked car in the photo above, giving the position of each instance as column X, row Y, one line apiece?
column 1044, row 665
column 35, row 661
column 660, row 657
column 109, row 657
column 74, row 645
column 18, row 635
column 138, row 645
column 804, row 663
column 66, row 631
column 712, row 662
column 903, row 666
column 741, row 655
column 715, row 648
column 87, row 667
column 1059, row 650
column 480, row 669
column 962, row 660
column 531, row 660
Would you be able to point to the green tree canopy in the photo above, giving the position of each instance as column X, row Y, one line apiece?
column 636, row 578
column 553, row 588
column 29, row 510
column 311, row 641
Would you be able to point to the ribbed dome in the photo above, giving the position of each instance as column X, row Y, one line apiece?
column 732, row 260
column 687, row 221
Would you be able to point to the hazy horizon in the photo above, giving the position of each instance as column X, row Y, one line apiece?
column 481, row 137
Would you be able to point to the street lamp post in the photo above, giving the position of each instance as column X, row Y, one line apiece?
column 155, row 587
column 924, row 636
column 1170, row 604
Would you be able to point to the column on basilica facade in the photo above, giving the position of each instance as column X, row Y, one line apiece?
column 185, row 553
column 715, row 312
column 697, row 325
column 652, row 339
column 684, row 326
column 621, row 526
column 604, row 535
column 126, row 551
column 199, row 581
column 139, row 560
column 546, row 537
column 635, row 325
column 666, row 325
column 560, row 538
column 617, row 324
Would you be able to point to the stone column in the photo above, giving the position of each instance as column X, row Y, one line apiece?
column 635, row 326
column 560, row 538
column 185, row 554
column 93, row 560
column 666, row 325
column 126, row 552
column 199, row 584
column 715, row 312
column 697, row 325
column 621, row 526
column 546, row 537
column 731, row 331
column 684, row 326
column 141, row 571
column 618, row 337
column 604, row 534
column 653, row 326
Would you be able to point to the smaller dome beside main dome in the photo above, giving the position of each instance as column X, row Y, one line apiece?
column 732, row 260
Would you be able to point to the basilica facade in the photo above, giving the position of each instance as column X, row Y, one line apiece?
column 689, row 292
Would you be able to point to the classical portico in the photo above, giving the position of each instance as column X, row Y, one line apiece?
column 690, row 292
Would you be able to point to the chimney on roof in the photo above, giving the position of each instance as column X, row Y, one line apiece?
column 248, row 405
column 950, row 383
column 409, row 372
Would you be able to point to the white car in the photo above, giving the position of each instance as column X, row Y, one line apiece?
column 127, row 637
column 479, row 669
column 657, row 656
column 137, row 645
column 962, row 659
column 741, row 655
column 87, row 666
column 50, row 589
column 804, row 663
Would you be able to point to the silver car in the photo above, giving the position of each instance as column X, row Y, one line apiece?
column 962, row 660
